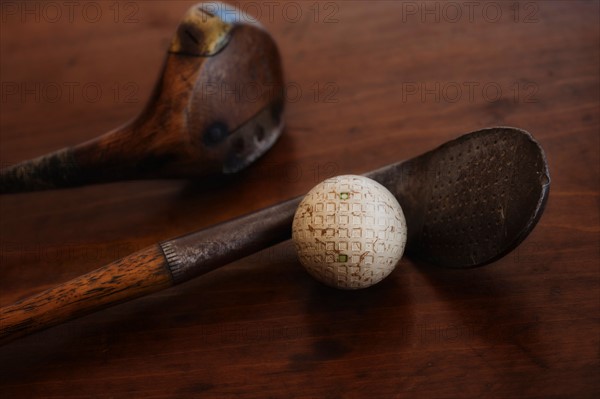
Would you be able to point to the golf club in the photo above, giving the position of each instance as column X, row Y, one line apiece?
column 467, row 203
column 193, row 126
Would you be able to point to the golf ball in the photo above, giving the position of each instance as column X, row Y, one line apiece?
column 349, row 232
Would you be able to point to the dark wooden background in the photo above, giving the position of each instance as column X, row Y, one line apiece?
column 370, row 83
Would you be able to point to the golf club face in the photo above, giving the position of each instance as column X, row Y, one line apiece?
column 472, row 200
column 220, row 93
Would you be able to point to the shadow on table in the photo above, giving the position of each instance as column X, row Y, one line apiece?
column 493, row 307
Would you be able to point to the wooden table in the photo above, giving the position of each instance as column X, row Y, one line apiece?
column 370, row 83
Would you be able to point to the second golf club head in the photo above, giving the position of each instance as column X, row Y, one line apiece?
column 217, row 107
column 233, row 112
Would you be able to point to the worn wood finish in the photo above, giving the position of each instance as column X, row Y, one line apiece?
column 526, row 326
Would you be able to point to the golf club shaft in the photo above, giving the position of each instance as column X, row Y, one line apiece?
column 149, row 270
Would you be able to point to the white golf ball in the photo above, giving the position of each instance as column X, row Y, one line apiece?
column 349, row 232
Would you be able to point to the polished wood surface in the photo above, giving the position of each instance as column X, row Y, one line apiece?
column 369, row 83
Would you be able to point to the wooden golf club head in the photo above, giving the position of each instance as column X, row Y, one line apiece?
column 216, row 108
column 467, row 203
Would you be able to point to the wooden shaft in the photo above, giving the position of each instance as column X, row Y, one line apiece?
column 138, row 274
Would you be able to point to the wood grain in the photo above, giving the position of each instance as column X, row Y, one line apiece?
column 526, row 326
column 138, row 274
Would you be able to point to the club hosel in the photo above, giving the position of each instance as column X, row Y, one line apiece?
column 54, row 170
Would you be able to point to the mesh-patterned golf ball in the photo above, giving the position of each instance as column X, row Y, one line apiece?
column 349, row 232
